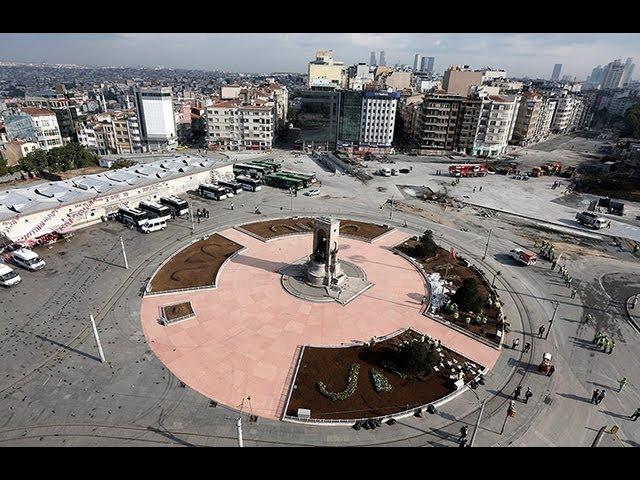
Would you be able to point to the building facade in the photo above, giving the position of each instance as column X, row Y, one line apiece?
column 378, row 118
column 35, row 124
column 233, row 125
column 458, row 79
column 154, row 110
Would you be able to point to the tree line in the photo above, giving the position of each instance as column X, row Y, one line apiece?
column 59, row 159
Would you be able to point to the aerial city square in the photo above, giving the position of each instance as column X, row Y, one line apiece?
column 402, row 240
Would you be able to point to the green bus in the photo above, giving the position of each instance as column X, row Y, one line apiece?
column 307, row 179
column 282, row 181
column 271, row 166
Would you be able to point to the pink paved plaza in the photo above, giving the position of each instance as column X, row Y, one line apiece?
column 243, row 341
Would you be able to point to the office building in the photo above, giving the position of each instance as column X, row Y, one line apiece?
column 628, row 72
column 35, row 124
column 383, row 61
column 416, row 62
column 613, row 75
column 349, row 118
column 318, row 119
column 378, row 118
column 324, row 72
column 429, row 66
column 154, row 110
column 372, row 59
column 557, row 68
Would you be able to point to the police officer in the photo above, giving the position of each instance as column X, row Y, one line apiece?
column 573, row 293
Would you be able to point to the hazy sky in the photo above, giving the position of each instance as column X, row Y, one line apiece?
column 520, row 54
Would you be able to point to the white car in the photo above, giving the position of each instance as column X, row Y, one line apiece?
column 8, row 276
column 312, row 193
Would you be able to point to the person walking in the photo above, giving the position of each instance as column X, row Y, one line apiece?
column 634, row 301
column 474, row 189
column 601, row 397
column 541, row 331
column 515, row 344
column 527, row 395
column 517, row 392
column 463, row 442
column 595, row 395
column 464, row 430
column 552, row 369
column 588, row 318
column 553, row 265
column 573, row 293
column 231, row 205
column 635, row 414
column 612, row 344
column 622, row 382
column 527, row 347
column 605, row 344
column 597, row 337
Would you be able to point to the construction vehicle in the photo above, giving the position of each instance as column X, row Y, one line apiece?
column 524, row 256
column 592, row 220
column 537, row 172
column 552, row 168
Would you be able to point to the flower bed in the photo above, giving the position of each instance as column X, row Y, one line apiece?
column 352, row 383
column 293, row 226
column 380, row 395
column 485, row 323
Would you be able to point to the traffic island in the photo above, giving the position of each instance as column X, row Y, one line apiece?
column 345, row 384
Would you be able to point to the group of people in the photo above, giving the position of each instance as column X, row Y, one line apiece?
column 604, row 342
column 202, row 213
column 527, row 395
column 555, row 185
column 546, row 250
column 567, row 278
column 598, row 396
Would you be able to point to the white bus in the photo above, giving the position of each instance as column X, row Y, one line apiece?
column 215, row 192
column 178, row 206
column 155, row 210
column 235, row 187
column 249, row 184
column 132, row 217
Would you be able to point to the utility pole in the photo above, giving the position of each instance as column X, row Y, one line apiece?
column 555, row 309
column 95, row 333
column 486, row 247
column 391, row 211
column 511, row 412
column 497, row 274
column 124, row 254
column 475, row 430
column 239, row 426
column 191, row 215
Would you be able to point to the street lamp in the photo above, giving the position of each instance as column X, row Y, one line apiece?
column 486, row 247
column 553, row 317
column 475, row 429
column 497, row 274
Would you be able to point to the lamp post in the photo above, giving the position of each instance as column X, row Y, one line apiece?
column 553, row 317
column 475, row 429
column 486, row 247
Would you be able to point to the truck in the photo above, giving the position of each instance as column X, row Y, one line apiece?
column 592, row 220
column 524, row 256
column 552, row 168
column 469, row 170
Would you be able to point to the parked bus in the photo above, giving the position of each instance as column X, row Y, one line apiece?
column 272, row 167
column 307, row 178
column 249, row 184
column 132, row 217
column 250, row 170
column 178, row 206
column 235, row 187
column 155, row 210
column 214, row 192
column 282, row 181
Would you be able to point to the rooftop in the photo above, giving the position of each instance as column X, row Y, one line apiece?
column 35, row 112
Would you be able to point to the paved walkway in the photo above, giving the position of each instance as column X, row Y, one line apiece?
column 243, row 341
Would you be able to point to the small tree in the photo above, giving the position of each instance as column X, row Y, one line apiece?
column 467, row 296
column 416, row 358
column 427, row 247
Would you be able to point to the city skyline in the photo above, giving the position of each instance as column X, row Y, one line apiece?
column 532, row 55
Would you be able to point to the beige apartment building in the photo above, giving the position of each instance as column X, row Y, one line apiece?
column 232, row 125
column 458, row 79
column 325, row 72
column 529, row 118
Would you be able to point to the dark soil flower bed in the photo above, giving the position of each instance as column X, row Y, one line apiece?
column 331, row 366
column 177, row 310
column 291, row 226
column 456, row 271
column 195, row 266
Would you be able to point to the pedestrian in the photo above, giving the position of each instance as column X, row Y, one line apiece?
column 605, row 344
column 527, row 347
column 198, row 218
column 515, row 344
column 596, row 337
column 527, row 395
column 231, row 205
column 474, row 189
column 463, row 432
column 611, row 346
column 573, row 293
column 198, row 213
column 552, row 369
column 622, row 382
column 541, row 331
column 463, row 442
column 553, row 265
column 601, row 397
column 635, row 299
column 636, row 414
column 595, row 395
column 588, row 318
column 517, row 392
column 480, row 187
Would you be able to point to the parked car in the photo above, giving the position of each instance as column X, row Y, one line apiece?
column 312, row 193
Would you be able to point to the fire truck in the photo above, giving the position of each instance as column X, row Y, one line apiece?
column 469, row 170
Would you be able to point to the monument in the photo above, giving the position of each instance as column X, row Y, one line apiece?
column 321, row 277
column 323, row 267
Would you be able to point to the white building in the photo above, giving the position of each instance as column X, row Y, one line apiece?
column 378, row 118
column 231, row 125
column 154, row 108
column 496, row 124
column 564, row 115
column 36, row 124
column 614, row 72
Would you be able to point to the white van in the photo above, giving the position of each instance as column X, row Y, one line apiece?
column 28, row 259
column 153, row 225
column 8, row 276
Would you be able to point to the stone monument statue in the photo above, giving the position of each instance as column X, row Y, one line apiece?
column 323, row 267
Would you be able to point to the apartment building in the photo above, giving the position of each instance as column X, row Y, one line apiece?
column 458, row 79
column 528, row 119
column 378, row 118
column 437, row 121
column 15, row 150
column 36, row 124
column 233, row 125
column 564, row 114
column 496, row 125
column 324, row 71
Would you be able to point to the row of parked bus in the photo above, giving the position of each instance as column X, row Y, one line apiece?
column 24, row 258
column 152, row 216
column 272, row 174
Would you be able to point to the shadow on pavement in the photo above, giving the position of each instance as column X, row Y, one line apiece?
column 67, row 347
column 617, row 415
column 571, row 396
